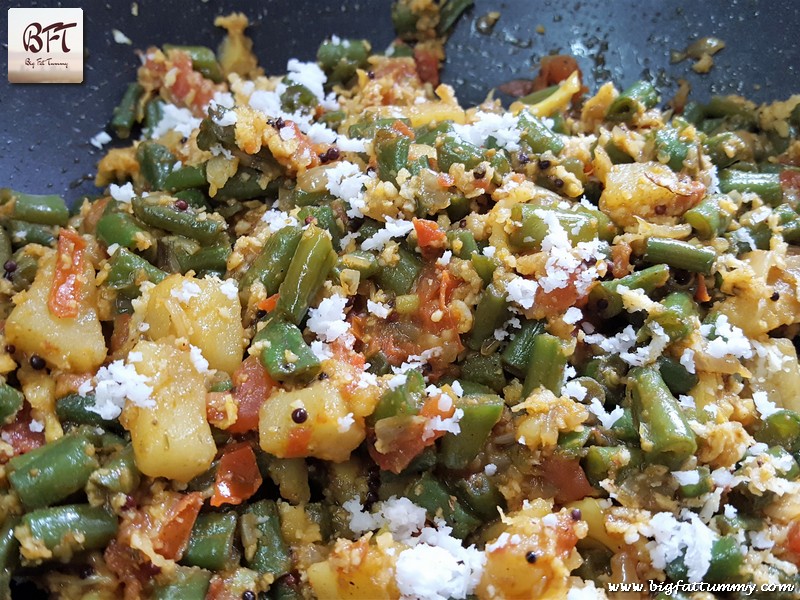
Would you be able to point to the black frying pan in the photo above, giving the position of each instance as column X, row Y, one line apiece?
column 45, row 129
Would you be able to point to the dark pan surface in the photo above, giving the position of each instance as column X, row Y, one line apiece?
column 46, row 129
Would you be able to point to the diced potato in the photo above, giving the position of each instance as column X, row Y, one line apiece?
column 40, row 392
column 210, row 320
column 648, row 190
column 777, row 372
column 173, row 438
column 71, row 344
column 434, row 112
column 320, row 435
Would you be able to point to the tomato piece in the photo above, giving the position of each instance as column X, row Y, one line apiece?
column 403, row 129
column 18, row 434
column 790, row 180
column 173, row 535
column 429, row 234
column 297, row 445
column 568, row 478
column 65, row 289
column 427, row 65
column 252, row 385
column 269, row 304
column 238, row 476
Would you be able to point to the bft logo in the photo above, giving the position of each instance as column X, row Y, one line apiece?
column 45, row 45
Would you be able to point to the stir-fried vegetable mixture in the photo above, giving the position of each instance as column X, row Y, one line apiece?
column 330, row 334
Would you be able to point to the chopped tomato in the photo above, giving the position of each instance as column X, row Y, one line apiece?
column 568, row 478
column 64, row 292
column 427, row 65
column 790, row 180
column 701, row 293
column 793, row 537
column 445, row 181
column 269, row 304
column 516, row 88
column 429, row 234
column 431, row 289
column 556, row 69
column 176, row 81
column 173, row 535
column 131, row 567
column 621, row 259
column 251, row 387
column 18, row 434
column 238, row 476
column 403, row 129
column 297, row 446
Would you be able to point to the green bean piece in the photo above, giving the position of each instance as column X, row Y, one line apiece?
column 272, row 263
column 362, row 261
column 211, row 542
column 632, row 102
column 153, row 113
column 678, row 379
column 517, row 355
column 340, row 59
column 484, row 370
column 608, row 302
column 5, row 246
column 51, row 473
column 122, row 229
column 788, row 469
column 570, row 444
column 406, row 304
column 405, row 399
column 462, row 243
column 430, row 494
column 173, row 251
column 546, row 367
column 204, row 61
column 449, row 12
column 23, row 233
column 401, row 277
column 624, row 428
column 693, row 112
column 324, row 218
column 606, row 229
column 766, row 185
column 452, row 150
column 285, row 588
column 534, row 225
column 74, row 408
column 726, row 562
column 203, row 227
column 9, row 552
column 404, row 20
column 10, row 403
column 725, row 149
column 378, row 364
column 285, row 354
column 708, row 219
column 186, row 583
column 368, row 128
column 307, row 271
column 128, row 111
column 490, row 314
column 427, row 134
column 730, row 106
column 670, row 148
column 27, row 265
column 246, row 184
column 617, row 155
column 479, row 494
column 210, row 260
column 781, row 428
column 128, row 271
column 265, row 550
column 665, row 432
column 194, row 198
column 484, row 266
column 539, row 95
column 538, row 136
column 118, row 476
column 601, row 462
column 677, row 318
column 391, row 148
column 185, row 178
column 72, row 527
column 481, row 413
column 155, row 164
column 680, row 255
column 297, row 97
column 44, row 210
column 704, row 484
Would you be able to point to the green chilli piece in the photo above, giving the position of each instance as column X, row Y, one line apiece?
column 272, row 263
column 534, row 225
column 547, row 364
column 308, row 270
column 265, row 550
column 47, row 209
column 53, row 472
column 128, row 111
column 204, row 61
column 666, row 436
column 203, row 227
column 708, row 218
column 481, row 413
column 538, row 136
column 127, row 271
column 632, row 102
column 211, row 541
column 10, row 403
column 519, row 352
column 155, row 164
column 70, row 528
column 490, row 314
column 680, row 255
column 433, row 496
column 340, row 59
column 186, row 583
column 766, row 185
column 400, row 277
column 285, row 354
column 608, row 302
